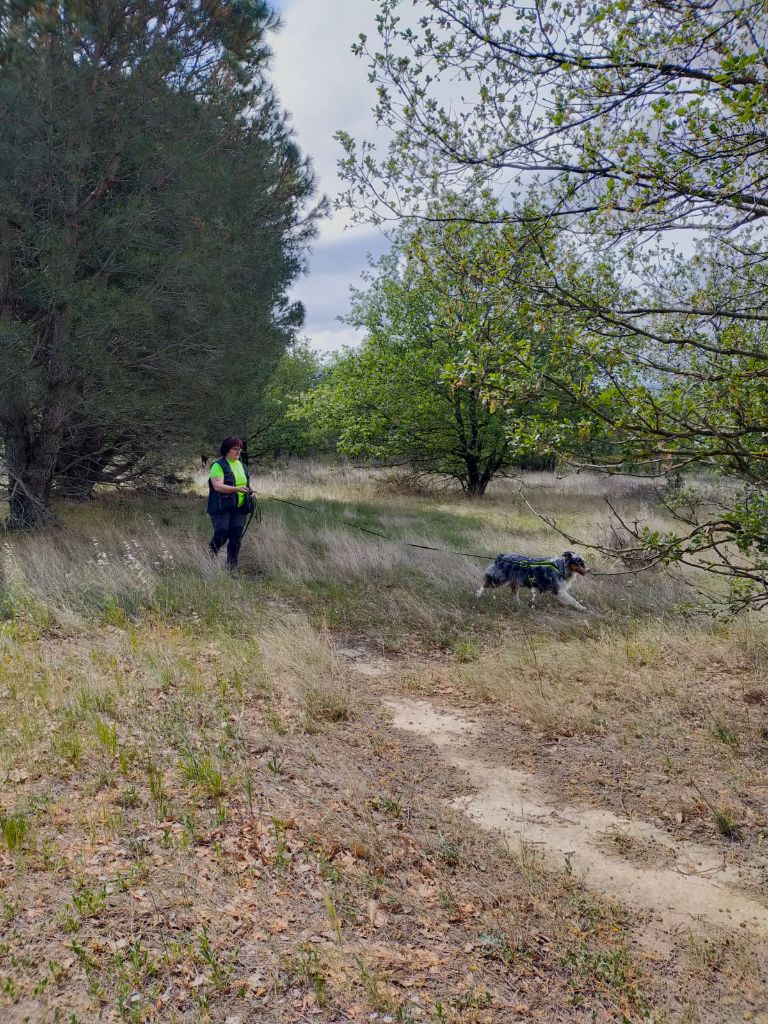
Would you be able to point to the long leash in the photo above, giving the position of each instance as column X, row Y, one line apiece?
column 255, row 512
column 377, row 533
column 529, row 563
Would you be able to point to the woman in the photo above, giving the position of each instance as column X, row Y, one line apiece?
column 229, row 499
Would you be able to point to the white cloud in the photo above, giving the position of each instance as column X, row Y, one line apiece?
column 322, row 84
column 336, row 265
column 325, row 88
column 334, row 340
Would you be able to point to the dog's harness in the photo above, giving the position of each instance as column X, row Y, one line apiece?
column 529, row 565
column 538, row 563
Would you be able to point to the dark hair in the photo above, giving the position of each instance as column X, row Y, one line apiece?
column 230, row 442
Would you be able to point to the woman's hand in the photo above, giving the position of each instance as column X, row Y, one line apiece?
column 222, row 488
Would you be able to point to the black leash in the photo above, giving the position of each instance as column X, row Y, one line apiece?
column 255, row 511
column 408, row 543
column 384, row 536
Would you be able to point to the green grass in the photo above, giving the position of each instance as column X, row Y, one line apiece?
column 200, row 770
column 14, row 829
column 136, row 559
column 615, row 973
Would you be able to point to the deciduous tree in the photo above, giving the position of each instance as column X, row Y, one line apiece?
column 630, row 120
column 405, row 396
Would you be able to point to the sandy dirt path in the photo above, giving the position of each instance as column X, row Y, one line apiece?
column 698, row 890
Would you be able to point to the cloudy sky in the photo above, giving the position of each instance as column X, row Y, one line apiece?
column 326, row 89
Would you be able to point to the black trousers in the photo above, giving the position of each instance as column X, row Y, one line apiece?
column 228, row 526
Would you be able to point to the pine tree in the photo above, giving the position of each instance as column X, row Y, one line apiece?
column 153, row 216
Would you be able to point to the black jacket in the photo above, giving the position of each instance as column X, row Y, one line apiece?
column 227, row 502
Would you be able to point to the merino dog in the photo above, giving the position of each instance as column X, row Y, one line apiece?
column 539, row 575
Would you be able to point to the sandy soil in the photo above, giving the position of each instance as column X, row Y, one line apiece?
column 699, row 889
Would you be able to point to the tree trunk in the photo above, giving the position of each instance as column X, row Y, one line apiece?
column 31, row 456
column 27, row 505
column 475, row 481
column 31, row 461
column 476, row 484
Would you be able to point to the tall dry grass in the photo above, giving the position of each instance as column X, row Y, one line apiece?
column 125, row 557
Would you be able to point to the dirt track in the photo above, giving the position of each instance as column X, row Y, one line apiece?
column 699, row 890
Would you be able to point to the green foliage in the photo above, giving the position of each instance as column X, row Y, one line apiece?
column 273, row 433
column 200, row 770
column 106, row 733
column 402, row 398
column 726, row 824
column 307, row 968
column 638, row 118
column 499, row 946
column 636, row 109
column 614, row 972
column 88, row 902
column 152, row 221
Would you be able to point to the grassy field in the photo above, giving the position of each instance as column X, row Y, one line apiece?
column 207, row 814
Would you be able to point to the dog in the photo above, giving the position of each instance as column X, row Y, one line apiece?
column 539, row 575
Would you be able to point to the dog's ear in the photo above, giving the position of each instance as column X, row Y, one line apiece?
column 567, row 555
